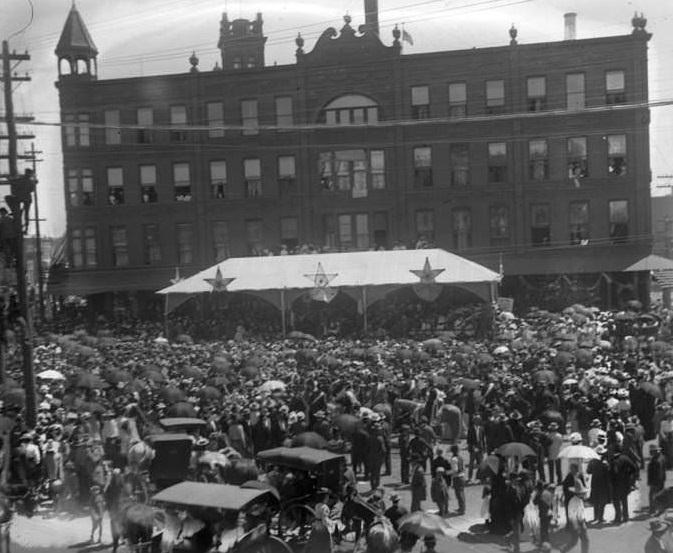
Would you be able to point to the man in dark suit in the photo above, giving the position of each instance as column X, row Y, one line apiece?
column 395, row 512
column 623, row 472
column 656, row 474
column 476, row 444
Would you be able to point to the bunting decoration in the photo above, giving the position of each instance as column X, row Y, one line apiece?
column 427, row 289
column 219, row 283
column 427, row 274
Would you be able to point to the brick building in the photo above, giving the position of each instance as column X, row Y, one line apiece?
column 533, row 158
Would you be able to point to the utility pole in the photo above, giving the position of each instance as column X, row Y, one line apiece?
column 15, row 205
column 38, row 239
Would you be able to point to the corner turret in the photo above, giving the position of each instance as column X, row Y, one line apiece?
column 76, row 47
column 241, row 43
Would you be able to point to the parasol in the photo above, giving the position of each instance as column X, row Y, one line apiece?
column 545, row 376
column 297, row 335
column 184, row 339
column 570, row 381
column 469, row 383
column 501, row 350
column 272, row 386
column 424, row 524
column 578, row 452
column 250, row 371
column 154, row 376
column 515, row 449
column 181, row 409
column 89, row 381
column 433, row 344
column 584, row 357
column 490, row 462
column 50, row 374
column 309, row 439
column 192, row 372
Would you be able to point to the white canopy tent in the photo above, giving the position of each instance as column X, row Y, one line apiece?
column 365, row 276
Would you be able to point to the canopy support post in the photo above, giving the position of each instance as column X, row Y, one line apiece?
column 166, row 316
column 282, row 312
column 364, row 309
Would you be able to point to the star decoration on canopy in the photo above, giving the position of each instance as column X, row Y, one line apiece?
column 219, row 283
column 177, row 278
column 320, row 278
column 427, row 274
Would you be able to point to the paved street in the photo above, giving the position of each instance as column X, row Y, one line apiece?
column 61, row 535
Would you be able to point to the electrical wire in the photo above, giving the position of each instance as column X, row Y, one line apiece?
column 27, row 25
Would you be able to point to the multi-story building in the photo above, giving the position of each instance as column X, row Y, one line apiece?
column 529, row 157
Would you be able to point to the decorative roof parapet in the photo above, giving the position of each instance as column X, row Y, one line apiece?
column 345, row 45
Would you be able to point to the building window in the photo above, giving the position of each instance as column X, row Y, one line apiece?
column 221, row 248
column 253, row 235
column 422, row 167
column 182, row 184
column 83, row 247
column 420, row 102
column 218, row 179
column 289, row 233
column 185, row 243
column 536, row 93
column 237, row 64
column 77, row 130
column 457, row 99
column 425, row 225
column 115, row 185
column 354, row 231
column 459, row 155
column 252, row 170
column 113, row 133
column 252, row 62
column 540, row 225
column 120, row 252
column 495, row 96
column 80, row 187
column 286, row 174
column 356, row 171
column 499, row 219
column 249, row 118
column 145, row 120
column 329, row 225
column 538, row 160
column 617, row 154
column 381, row 230
column 614, row 87
column 151, row 245
column 284, row 112
column 578, row 167
column 497, row 162
column 350, row 109
column 178, row 119
column 462, row 229
column 575, row 97
column 148, row 184
column 619, row 221
column 215, row 114
column 579, row 223
column 377, row 166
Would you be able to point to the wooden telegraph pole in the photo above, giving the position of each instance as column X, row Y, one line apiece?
column 14, row 204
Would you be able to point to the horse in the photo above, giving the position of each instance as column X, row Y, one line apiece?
column 358, row 515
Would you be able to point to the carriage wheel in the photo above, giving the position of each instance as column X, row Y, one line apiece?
column 295, row 522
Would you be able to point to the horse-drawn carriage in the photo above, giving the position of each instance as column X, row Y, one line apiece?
column 304, row 475
column 199, row 515
column 187, row 425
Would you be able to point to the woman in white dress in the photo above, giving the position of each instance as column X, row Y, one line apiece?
column 577, row 523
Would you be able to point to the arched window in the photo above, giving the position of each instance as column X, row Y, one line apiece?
column 350, row 109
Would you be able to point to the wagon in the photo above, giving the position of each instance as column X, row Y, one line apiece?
column 172, row 452
column 239, row 516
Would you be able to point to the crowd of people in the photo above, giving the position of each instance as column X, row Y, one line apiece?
column 448, row 407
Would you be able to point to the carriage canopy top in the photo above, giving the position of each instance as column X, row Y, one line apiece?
column 300, row 458
column 208, row 495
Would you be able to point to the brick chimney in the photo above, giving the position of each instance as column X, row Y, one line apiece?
column 372, row 15
column 570, row 20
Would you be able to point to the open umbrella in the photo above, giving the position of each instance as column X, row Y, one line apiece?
column 181, row 409
column 584, row 357
column 155, row 376
column 652, row 389
column 490, row 462
column 115, row 376
column 297, row 335
column 50, row 374
column 209, row 392
column 551, row 415
column 184, row 339
column 501, row 350
column 250, row 371
column 484, row 358
column 433, row 344
column 515, row 449
column 424, row 524
column 348, row 424
column 172, row 394
column 469, row 383
column 578, row 451
column 545, row 376
column 272, row 386
column 192, row 372
column 218, row 381
column 309, row 439
column 89, row 381
column 440, row 380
